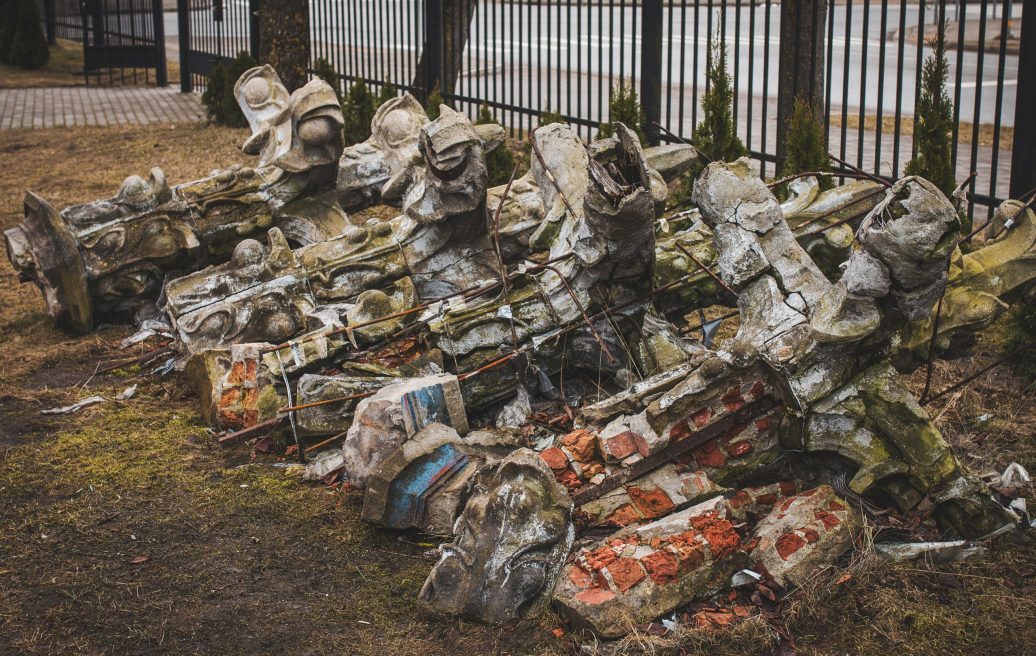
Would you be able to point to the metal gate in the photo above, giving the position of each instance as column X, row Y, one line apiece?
column 117, row 35
column 212, row 31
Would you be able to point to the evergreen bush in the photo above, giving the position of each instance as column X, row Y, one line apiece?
column 933, row 122
column 623, row 107
column 326, row 72
column 499, row 161
column 434, row 100
column 547, row 117
column 359, row 111
column 806, row 145
column 387, row 93
column 27, row 47
column 716, row 135
column 218, row 98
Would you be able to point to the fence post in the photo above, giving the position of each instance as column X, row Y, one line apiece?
column 183, row 23
column 254, row 6
column 1023, row 152
column 50, row 20
column 161, row 72
column 800, row 72
column 434, row 46
column 651, row 68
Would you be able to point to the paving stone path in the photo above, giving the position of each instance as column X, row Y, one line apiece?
column 51, row 107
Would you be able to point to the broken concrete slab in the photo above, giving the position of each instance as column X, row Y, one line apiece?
column 395, row 413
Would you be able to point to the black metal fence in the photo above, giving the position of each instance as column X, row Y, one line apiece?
column 522, row 58
column 211, row 31
column 122, row 39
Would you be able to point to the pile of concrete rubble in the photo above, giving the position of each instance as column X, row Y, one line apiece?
column 516, row 367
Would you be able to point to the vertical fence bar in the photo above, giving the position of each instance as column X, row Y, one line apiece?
column 183, row 24
column 651, row 68
column 433, row 45
column 1023, row 153
column 158, row 33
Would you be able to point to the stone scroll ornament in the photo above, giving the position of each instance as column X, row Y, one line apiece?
column 101, row 261
column 803, row 395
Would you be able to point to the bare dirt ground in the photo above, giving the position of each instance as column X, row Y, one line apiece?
column 126, row 529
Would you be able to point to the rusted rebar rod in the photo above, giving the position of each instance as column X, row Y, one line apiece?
column 722, row 283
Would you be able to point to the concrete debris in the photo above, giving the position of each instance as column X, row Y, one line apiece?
column 127, row 393
column 936, row 552
column 75, row 407
column 384, row 421
column 557, row 314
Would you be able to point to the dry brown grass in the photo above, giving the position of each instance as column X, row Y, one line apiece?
column 906, row 126
column 246, row 560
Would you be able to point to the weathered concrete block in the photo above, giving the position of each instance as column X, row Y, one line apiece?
column 384, row 421
column 511, row 541
column 804, row 533
column 424, row 483
column 642, row 573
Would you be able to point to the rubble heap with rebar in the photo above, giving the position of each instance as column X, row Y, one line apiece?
column 519, row 368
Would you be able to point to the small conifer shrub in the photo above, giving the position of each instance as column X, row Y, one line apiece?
column 499, row 161
column 218, row 98
column 623, row 107
column 806, row 146
column 716, row 135
column 387, row 93
column 933, row 120
column 551, row 116
column 27, row 47
column 326, row 72
column 434, row 100
column 359, row 111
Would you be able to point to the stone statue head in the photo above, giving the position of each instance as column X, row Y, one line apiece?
column 454, row 179
column 510, row 543
column 383, row 166
column 294, row 132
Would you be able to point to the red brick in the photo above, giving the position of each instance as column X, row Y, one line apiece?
column 702, row 417
column 788, row 544
column 740, row 498
column 236, row 376
column 757, row 390
column 830, row 521
column 653, row 503
column 689, row 555
column 582, row 444
column 764, row 424
column 555, row 458
column 595, row 596
column 732, row 399
column 661, row 566
column 626, row 573
column 709, row 455
column 719, row 533
column 579, row 576
column 811, row 535
column 739, row 448
column 679, row 431
column 624, row 515
column 622, row 445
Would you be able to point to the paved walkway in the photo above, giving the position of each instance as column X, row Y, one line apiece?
column 82, row 106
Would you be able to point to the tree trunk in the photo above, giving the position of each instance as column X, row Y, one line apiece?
column 284, row 40
column 445, row 40
column 801, row 63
